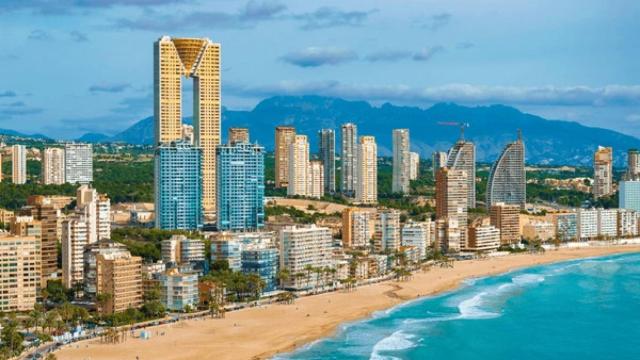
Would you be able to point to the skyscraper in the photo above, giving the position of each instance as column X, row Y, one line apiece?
column 19, row 164
column 602, row 172
column 507, row 178
column 401, row 161
column 197, row 58
column 240, row 186
column 327, row 138
column 238, row 135
column 315, row 179
column 415, row 165
column 438, row 160
column 284, row 138
column 78, row 163
column 451, row 198
column 349, row 158
column 53, row 166
column 462, row 156
column 178, row 186
column 367, row 171
column 633, row 164
column 298, row 166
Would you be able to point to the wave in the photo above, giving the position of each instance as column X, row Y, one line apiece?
column 399, row 340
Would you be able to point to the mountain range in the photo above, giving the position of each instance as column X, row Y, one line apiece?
column 550, row 142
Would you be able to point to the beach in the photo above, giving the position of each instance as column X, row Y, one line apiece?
column 261, row 332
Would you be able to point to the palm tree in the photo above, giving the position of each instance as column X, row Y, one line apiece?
column 283, row 276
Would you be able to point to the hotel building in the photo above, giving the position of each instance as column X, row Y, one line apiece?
column 483, row 238
column 179, row 290
column 462, row 156
column 507, row 178
column 451, row 198
column 366, row 186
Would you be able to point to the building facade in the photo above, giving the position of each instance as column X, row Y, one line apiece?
column 75, row 236
column 414, row 172
column 284, row 138
column 327, row 152
column 20, row 261
column 483, row 238
column 264, row 262
column 602, row 172
column 178, row 187
column 629, row 194
column 43, row 210
column 507, row 178
column 438, row 160
column 401, row 174
column 240, row 187
column 506, row 217
column 315, row 179
column 297, row 183
column 179, row 291
column 462, row 156
column 78, row 163
column 387, row 231
column 18, row 164
column 349, row 158
column 120, row 276
column 367, row 171
column 357, row 227
column 418, row 235
column 566, row 226
column 301, row 247
column 452, row 198
column 238, row 135
column 53, row 165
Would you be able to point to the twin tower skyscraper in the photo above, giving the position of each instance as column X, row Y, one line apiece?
column 174, row 60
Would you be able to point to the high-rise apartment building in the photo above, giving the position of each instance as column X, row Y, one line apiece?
column 19, row 164
column 26, row 226
column 566, row 226
column 633, row 164
column 199, row 59
column 602, row 172
column 78, row 163
column 301, row 247
column 414, row 171
column 262, row 261
column 240, row 186
column 180, row 249
column 367, row 171
column 227, row 248
column 483, row 238
column 418, row 235
column 387, row 231
column 45, row 211
column 438, row 160
column 53, row 166
column 178, row 186
column 451, row 198
column 462, row 156
column 285, row 136
column 327, row 152
column 349, row 159
column 629, row 194
column 75, row 236
column 298, row 166
column 506, row 217
column 91, row 252
column 96, row 210
column 238, row 135
column 401, row 161
column 448, row 235
column 21, row 263
column 120, row 276
column 357, row 227
column 315, row 179
column 507, row 178
column 187, row 134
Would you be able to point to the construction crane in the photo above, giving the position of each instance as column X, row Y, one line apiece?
column 462, row 126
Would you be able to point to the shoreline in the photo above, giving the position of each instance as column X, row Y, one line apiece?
column 265, row 331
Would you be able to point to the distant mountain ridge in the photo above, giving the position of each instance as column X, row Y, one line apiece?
column 491, row 127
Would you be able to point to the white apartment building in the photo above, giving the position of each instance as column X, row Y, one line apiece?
column 74, row 239
column 483, row 238
column 587, row 224
column 357, row 227
column 19, row 164
column 387, row 231
column 418, row 235
column 627, row 222
column 78, row 163
column 298, row 166
column 53, row 166
column 415, row 165
column 608, row 222
column 367, row 171
column 315, row 179
column 301, row 247
column 401, row 161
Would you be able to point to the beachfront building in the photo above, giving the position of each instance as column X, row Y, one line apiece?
column 607, row 223
column 240, row 187
column 602, row 172
column 178, row 186
column 629, row 194
column 53, row 166
column 507, row 178
column 506, row 218
column 627, row 223
column 227, row 248
column 284, row 138
column 301, row 248
column 387, row 231
column 401, row 161
column 75, row 236
column 237, row 135
column 587, row 224
column 566, row 226
column 180, row 249
column 438, row 161
column 90, row 255
column 418, row 235
column 21, row 263
column 263, row 261
column 96, row 210
column 18, row 164
column 78, row 163
column 462, row 156
column 41, row 208
column 298, row 166
column 349, row 159
column 414, row 170
column 366, row 187
column 315, row 179
column 539, row 230
column 327, row 152
column 448, row 239
column 357, row 227
column 452, row 197
column 179, row 291
column 119, row 275
column 483, row 238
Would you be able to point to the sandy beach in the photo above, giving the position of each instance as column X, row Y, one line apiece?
column 259, row 333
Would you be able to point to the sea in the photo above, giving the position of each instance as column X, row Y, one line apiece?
column 580, row 309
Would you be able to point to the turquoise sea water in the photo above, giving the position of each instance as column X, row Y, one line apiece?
column 583, row 309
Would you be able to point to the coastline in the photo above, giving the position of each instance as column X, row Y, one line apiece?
column 262, row 332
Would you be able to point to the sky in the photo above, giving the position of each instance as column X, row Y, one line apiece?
column 68, row 67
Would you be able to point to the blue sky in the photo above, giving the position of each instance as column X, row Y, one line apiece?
column 68, row 67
